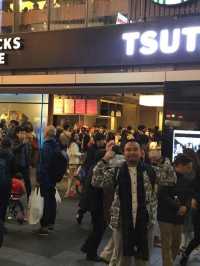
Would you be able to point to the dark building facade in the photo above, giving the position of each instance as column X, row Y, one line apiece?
column 77, row 47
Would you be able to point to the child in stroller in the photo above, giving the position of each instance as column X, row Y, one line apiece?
column 16, row 207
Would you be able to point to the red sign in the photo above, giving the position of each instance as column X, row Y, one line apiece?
column 91, row 107
column 80, row 106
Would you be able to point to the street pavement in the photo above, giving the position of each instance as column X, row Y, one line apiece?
column 22, row 247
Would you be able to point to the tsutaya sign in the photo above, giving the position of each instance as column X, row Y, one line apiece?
column 168, row 41
column 165, row 41
column 170, row 2
column 8, row 44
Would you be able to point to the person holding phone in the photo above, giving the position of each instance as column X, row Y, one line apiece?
column 132, row 205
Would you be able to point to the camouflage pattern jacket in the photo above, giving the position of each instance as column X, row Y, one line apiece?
column 165, row 172
column 105, row 176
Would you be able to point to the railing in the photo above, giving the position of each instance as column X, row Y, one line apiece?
column 6, row 18
column 98, row 12
column 34, row 17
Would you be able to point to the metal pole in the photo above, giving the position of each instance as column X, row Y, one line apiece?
column 41, row 121
column 49, row 6
column 130, row 10
column 86, row 12
column 17, row 16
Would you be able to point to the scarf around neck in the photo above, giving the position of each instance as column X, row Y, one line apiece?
column 135, row 240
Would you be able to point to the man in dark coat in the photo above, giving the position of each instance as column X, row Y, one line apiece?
column 140, row 136
column 173, row 204
column 47, row 183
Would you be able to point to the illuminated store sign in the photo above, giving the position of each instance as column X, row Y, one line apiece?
column 8, row 44
column 170, row 2
column 166, row 41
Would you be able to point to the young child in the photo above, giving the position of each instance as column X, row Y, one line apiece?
column 18, row 186
column 18, row 190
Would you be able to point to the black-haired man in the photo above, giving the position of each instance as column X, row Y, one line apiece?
column 131, row 209
column 173, row 203
column 140, row 136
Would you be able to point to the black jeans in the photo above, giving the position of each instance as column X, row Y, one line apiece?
column 196, row 241
column 50, row 206
column 94, row 239
column 4, row 200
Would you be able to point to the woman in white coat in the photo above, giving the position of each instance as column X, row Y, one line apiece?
column 74, row 162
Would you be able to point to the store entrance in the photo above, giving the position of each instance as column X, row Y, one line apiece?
column 110, row 111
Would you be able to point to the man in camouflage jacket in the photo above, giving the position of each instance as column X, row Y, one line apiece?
column 134, row 207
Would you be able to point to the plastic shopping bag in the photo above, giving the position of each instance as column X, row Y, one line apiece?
column 58, row 198
column 36, row 207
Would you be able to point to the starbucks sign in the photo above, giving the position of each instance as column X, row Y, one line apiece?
column 170, row 2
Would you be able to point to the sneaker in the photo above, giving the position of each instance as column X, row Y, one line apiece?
column 84, row 249
column 79, row 218
column 184, row 260
column 51, row 228
column 43, row 232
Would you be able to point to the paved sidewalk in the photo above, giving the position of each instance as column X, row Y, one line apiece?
column 61, row 248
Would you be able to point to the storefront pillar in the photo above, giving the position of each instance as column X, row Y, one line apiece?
column 50, row 109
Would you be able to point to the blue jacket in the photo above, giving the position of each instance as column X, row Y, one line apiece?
column 47, row 152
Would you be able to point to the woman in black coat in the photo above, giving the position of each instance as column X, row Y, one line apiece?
column 95, row 206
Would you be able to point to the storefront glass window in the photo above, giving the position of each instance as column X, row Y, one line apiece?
column 30, row 15
column 6, row 16
column 67, row 14
column 31, row 107
column 102, row 12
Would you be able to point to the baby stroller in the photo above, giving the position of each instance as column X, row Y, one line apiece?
column 16, row 209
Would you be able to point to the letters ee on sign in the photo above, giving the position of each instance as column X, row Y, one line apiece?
column 8, row 44
column 164, row 41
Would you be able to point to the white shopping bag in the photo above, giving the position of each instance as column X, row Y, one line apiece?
column 36, row 204
column 58, row 198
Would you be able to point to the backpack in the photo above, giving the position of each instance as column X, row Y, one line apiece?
column 3, row 171
column 58, row 167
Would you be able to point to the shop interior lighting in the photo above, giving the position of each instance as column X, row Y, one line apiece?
column 151, row 100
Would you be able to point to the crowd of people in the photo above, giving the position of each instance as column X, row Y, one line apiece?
column 131, row 187
column 128, row 186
